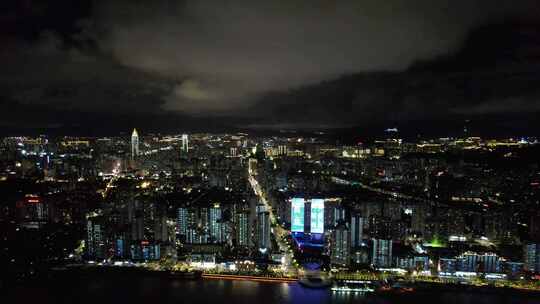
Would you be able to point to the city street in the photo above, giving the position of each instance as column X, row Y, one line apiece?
column 278, row 232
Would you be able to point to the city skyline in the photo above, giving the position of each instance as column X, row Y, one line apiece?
column 286, row 151
column 288, row 209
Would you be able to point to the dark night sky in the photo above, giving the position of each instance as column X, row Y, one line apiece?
column 425, row 66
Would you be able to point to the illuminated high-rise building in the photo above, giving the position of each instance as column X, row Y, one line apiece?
column 381, row 253
column 297, row 214
column 95, row 240
column 192, row 235
column 187, row 226
column 357, row 225
column 263, row 228
column 242, row 228
column 340, row 245
column 474, row 262
column 532, row 257
column 215, row 224
column 185, row 143
column 203, row 224
column 182, row 223
column 134, row 144
column 317, row 216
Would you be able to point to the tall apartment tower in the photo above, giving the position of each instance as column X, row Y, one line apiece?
column 134, row 144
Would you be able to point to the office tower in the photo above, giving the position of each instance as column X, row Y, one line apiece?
column 317, row 216
column 357, row 230
column 340, row 245
column 381, row 253
column 185, row 143
column 134, row 144
column 263, row 228
column 297, row 214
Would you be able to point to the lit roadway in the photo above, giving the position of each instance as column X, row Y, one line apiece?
column 278, row 231
column 114, row 178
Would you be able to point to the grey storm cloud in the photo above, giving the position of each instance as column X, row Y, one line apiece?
column 50, row 73
column 224, row 55
column 257, row 63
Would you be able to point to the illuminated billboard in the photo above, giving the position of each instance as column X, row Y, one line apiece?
column 297, row 215
column 317, row 215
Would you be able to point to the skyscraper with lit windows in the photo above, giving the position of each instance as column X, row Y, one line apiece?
column 263, row 228
column 181, row 222
column 357, row 225
column 215, row 225
column 242, row 229
column 134, row 144
column 532, row 257
column 340, row 245
column 95, row 241
column 381, row 253
column 185, row 143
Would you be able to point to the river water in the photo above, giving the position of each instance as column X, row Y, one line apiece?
column 136, row 289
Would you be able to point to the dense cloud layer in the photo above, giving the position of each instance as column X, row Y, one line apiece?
column 225, row 55
column 267, row 62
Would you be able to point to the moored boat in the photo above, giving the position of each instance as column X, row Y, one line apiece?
column 353, row 286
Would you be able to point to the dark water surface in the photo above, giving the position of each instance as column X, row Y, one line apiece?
column 135, row 289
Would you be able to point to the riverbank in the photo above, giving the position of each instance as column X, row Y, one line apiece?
column 82, row 271
column 249, row 278
column 431, row 286
column 116, row 287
